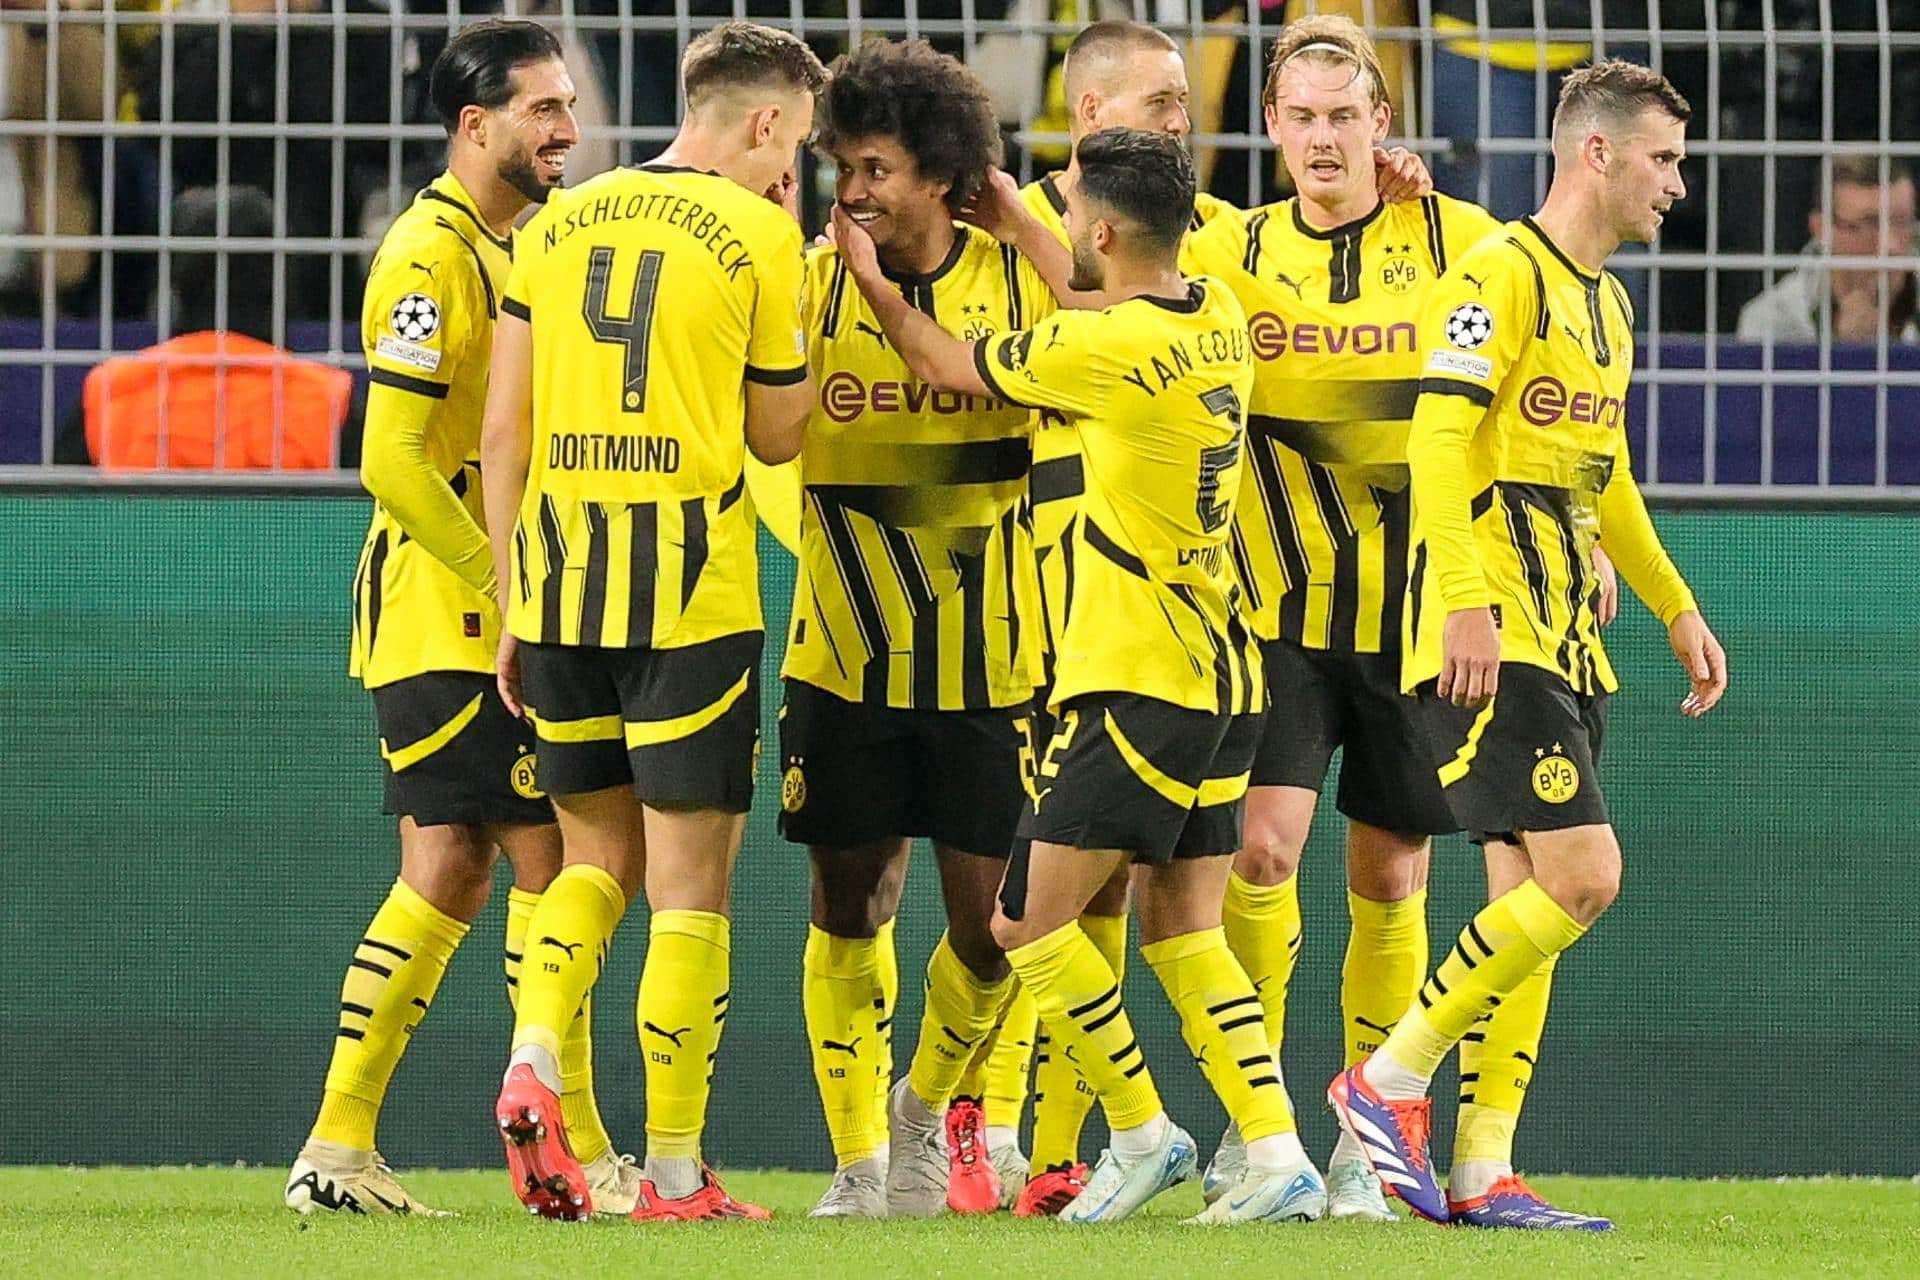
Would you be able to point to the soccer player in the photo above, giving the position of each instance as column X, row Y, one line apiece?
column 1157, row 683
column 1332, row 281
column 916, row 629
column 1117, row 74
column 460, row 771
column 651, row 334
column 1518, row 456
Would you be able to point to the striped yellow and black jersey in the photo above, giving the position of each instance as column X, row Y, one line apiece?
column 655, row 294
column 916, row 585
column 1320, row 539
column 1057, row 481
column 1518, row 454
column 1154, row 388
column 422, row 592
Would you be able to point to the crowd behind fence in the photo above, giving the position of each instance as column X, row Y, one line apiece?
column 1779, row 315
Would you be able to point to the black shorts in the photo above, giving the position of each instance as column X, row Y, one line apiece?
column 1528, row 761
column 1160, row 782
column 1324, row 699
column 852, row 773
column 452, row 753
column 682, row 726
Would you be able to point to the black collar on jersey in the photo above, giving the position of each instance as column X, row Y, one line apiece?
column 1051, row 191
column 1343, row 266
column 433, row 192
column 908, row 279
column 1180, row 306
column 655, row 167
column 1581, row 274
column 1352, row 228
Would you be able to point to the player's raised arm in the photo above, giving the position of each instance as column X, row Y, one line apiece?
column 936, row 357
column 780, row 390
column 998, row 210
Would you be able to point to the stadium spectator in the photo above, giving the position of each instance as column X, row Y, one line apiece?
column 1868, row 212
column 217, row 396
column 27, row 168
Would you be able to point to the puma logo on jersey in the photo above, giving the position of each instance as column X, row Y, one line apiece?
column 665, row 1034
column 429, row 269
column 1473, row 280
column 861, row 326
column 568, row 947
column 850, row 1048
column 1291, row 283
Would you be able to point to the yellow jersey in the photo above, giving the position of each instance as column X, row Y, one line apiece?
column 916, row 585
column 1320, row 537
column 1155, row 390
column 1518, row 455
column 422, row 591
column 1057, row 480
column 655, row 294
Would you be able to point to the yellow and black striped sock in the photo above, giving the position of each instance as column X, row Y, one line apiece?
column 1497, row 951
column 1079, row 1000
column 396, row 968
column 960, row 1012
column 682, row 1008
column 586, row 1131
column 1262, row 923
column 1497, row 1060
column 1061, row 1095
column 565, row 949
column 1386, row 959
column 1223, row 1023
column 838, row 994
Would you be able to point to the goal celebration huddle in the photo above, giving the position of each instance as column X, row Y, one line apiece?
column 1118, row 511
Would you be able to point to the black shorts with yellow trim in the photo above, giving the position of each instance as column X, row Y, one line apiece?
column 1143, row 776
column 1527, row 761
column 681, row 726
column 1332, row 699
column 853, row 773
column 452, row 753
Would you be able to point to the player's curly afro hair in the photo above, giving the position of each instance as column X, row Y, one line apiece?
column 930, row 103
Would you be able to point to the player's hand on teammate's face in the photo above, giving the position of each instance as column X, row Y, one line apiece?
column 1469, row 657
column 855, row 245
column 506, row 672
column 1401, row 175
column 1704, row 661
column 995, row 208
column 1607, row 607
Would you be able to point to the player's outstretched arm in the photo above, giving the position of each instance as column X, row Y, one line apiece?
column 506, row 453
column 996, row 209
column 936, row 357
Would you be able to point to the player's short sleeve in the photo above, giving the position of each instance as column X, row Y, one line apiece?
column 516, row 296
column 1476, row 321
column 1217, row 249
column 421, row 316
column 777, row 347
column 1047, row 366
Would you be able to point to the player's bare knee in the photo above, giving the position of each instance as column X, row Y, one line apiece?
column 977, row 947
column 1268, row 855
column 1009, row 933
column 1385, row 866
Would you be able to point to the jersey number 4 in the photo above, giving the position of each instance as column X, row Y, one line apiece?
column 632, row 331
column 1221, row 402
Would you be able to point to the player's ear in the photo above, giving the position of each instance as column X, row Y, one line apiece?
column 1272, row 113
column 472, row 124
column 1382, row 121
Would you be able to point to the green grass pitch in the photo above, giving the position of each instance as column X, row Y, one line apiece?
column 228, row 1222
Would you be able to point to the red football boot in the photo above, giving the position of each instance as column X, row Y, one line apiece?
column 546, row 1177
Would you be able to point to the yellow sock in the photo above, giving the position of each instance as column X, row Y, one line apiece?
column 586, row 1132
column 1221, row 1019
column 1262, row 924
column 1010, row 1061
column 1497, row 1059
column 1079, row 1001
column 960, row 1012
column 684, row 992
column 396, row 968
column 1496, row 952
column 837, row 993
column 1386, row 959
column 1061, row 1095
column 566, row 945
column 886, row 994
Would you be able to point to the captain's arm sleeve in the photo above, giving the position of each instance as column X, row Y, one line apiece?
column 777, row 349
column 395, row 464
column 1633, row 544
column 1474, row 327
column 1045, row 367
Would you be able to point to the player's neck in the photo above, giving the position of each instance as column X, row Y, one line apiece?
column 1350, row 207
column 918, row 255
column 1574, row 224
column 496, row 201
column 697, row 148
column 1156, row 279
